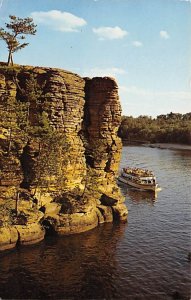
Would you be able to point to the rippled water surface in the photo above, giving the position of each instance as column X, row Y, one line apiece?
column 147, row 258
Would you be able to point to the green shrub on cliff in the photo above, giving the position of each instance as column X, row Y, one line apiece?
column 52, row 158
column 51, row 144
column 25, row 121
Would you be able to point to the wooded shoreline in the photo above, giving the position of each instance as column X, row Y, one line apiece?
column 173, row 128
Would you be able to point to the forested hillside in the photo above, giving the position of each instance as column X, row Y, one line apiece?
column 170, row 128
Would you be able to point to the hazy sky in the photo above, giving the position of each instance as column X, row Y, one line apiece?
column 144, row 44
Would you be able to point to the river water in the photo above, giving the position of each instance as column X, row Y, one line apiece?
column 146, row 258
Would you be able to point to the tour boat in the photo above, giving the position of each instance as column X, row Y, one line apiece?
column 139, row 178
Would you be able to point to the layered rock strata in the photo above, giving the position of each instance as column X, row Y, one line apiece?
column 59, row 154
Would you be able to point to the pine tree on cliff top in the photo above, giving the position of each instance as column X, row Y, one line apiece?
column 17, row 29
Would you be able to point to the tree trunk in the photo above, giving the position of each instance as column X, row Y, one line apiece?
column 38, row 169
column 10, row 140
column 16, row 204
column 10, row 59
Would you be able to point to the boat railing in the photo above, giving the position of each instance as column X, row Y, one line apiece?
column 138, row 172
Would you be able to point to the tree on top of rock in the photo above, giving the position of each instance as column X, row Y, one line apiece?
column 17, row 29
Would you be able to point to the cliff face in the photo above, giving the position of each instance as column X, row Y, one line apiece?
column 59, row 154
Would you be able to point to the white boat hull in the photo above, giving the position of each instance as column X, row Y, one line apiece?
column 144, row 187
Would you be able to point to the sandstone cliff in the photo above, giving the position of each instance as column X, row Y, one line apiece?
column 59, row 153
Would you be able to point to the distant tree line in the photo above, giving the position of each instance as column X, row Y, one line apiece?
column 169, row 128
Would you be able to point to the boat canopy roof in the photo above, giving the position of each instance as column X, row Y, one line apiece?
column 141, row 173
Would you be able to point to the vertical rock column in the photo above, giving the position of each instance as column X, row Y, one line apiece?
column 64, row 94
column 103, row 117
column 66, row 101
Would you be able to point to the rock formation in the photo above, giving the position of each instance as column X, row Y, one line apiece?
column 59, row 153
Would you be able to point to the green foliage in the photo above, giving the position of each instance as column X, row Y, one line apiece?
column 8, row 120
column 25, row 120
column 17, row 29
column 51, row 160
column 31, row 117
column 170, row 128
column 34, row 120
column 33, row 91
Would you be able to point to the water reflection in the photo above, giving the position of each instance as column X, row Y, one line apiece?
column 138, row 196
column 148, row 259
column 75, row 266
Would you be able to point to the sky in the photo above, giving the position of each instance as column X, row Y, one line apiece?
column 144, row 44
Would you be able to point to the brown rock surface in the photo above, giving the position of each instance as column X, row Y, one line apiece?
column 59, row 153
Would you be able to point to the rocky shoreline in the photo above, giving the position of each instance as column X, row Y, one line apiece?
column 57, row 170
